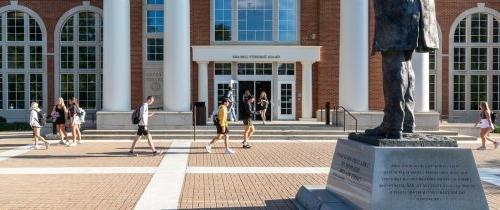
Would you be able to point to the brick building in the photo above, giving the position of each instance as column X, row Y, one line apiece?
column 290, row 49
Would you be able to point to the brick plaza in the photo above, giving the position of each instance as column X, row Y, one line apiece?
column 101, row 175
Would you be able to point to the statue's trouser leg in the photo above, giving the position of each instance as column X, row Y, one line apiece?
column 409, row 120
column 396, row 77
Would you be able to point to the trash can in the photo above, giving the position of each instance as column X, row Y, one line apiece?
column 199, row 113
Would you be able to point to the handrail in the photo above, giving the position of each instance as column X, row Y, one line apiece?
column 349, row 113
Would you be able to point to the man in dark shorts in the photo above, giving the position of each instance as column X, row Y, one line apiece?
column 221, row 124
column 143, row 126
column 247, row 116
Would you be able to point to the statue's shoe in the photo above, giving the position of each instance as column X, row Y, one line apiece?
column 379, row 131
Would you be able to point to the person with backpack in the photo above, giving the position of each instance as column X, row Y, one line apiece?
column 59, row 114
column 486, row 124
column 74, row 117
column 37, row 121
column 220, row 122
column 231, row 111
column 142, row 120
column 247, row 116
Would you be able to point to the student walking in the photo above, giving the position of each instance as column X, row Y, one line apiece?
column 143, row 126
column 247, row 116
column 486, row 126
column 231, row 111
column 220, row 121
column 264, row 103
column 36, row 117
column 74, row 117
column 59, row 114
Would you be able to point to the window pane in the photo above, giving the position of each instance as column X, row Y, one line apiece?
column 155, row 49
column 87, row 57
column 496, row 92
column 223, row 69
column 67, row 30
column 15, row 57
column 1, row 91
column 36, row 61
column 87, row 26
column 223, row 20
column 496, row 31
column 287, row 20
column 155, row 21
column 432, row 60
column 264, row 69
column 15, row 91
column 479, row 59
column 478, row 90
column 15, row 26
column 155, row 1
column 67, row 86
column 460, row 34
column 35, row 32
column 255, row 20
column 459, row 59
column 459, row 92
column 286, row 99
column 479, row 28
column 246, row 68
column 432, row 92
column 67, row 56
column 496, row 58
column 286, row 69
column 36, row 88
column 88, row 91
column 221, row 89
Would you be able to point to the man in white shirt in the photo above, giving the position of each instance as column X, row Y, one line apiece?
column 143, row 126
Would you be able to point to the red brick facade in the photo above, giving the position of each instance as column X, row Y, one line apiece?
column 319, row 26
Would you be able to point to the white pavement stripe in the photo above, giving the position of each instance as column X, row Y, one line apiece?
column 490, row 175
column 258, row 170
column 207, row 140
column 79, row 170
column 165, row 188
column 14, row 152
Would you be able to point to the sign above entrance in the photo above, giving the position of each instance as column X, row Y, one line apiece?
column 243, row 53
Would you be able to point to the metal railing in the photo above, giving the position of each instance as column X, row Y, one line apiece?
column 336, row 108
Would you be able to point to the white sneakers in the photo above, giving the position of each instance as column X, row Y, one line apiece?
column 208, row 148
column 228, row 151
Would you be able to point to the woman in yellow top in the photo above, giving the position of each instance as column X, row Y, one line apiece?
column 222, row 128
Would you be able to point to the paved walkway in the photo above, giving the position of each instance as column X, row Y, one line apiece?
column 100, row 174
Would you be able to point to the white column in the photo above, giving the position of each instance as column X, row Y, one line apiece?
column 116, row 49
column 420, row 63
column 177, row 64
column 353, row 75
column 203, row 82
column 306, row 90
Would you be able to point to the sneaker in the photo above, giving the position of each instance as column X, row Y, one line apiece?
column 79, row 142
column 71, row 144
column 156, row 152
column 229, row 151
column 132, row 153
column 62, row 142
column 208, row 147
column 246, row 145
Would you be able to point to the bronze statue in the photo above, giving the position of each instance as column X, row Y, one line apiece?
column 402, row 27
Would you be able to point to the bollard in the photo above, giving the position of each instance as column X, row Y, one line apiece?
column 327, row 110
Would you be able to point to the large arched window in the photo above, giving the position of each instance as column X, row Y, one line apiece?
column 79, row 56
column 475, row 60
column 23, row 62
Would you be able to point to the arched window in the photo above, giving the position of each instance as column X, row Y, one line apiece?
column 475, row 60
column 22, row 61
column 79, row 56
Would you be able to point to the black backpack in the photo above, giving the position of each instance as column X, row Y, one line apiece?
column 493, row 116
column 136, row 116
column 42, row 118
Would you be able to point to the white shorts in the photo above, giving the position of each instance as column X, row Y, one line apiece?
column 484, row 123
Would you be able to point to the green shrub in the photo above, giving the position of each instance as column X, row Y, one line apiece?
column 3, row 120
column 16, row 126
column 497, row 129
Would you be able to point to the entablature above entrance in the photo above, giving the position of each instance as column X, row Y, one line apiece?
column 241, row 53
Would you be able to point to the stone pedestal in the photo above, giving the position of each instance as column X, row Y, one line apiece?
column 160, row 121
column 363, row 176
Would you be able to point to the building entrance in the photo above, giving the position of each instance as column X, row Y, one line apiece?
column 256, row 88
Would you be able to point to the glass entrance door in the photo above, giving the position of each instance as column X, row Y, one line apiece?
column 255, row 88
